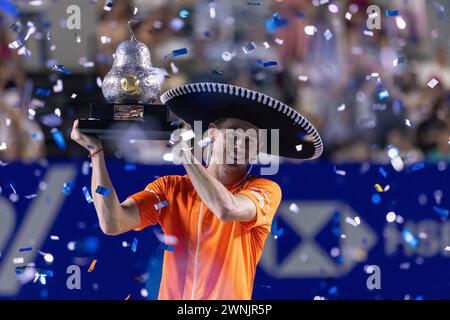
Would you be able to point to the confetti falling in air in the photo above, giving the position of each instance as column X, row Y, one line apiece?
column 102, row 190
column 341, row 107
column 53, row 237
column 441, row 211
column 18, row 260
column 87, row 195
column 299, row 147
column 391, row 216
column 382, row 172
column 328, row 35
column 294, row 208
column 176, row 53
column 168, row 248
column 383, row 94
column 67, row 188
column 408, row 123
column 339, row 172
column 165, row 238
column 376, row 199
column 277, row 232
column 268, row 63
column 409, row 238
column 417, row 166
column 353, row 222
column 249, row 47
column 9, row 8
column 378, row 188
column 25, row 249
column 205, row 142
column 129, row 167
column 58, row 137
column 58, row 87
column 161, row 205
column 60, row 68
column 398, row 61
column 310, row 30
column 432, row 83
column 92, row 266
column 43, row 92
column 134, row 245
column 391, row 13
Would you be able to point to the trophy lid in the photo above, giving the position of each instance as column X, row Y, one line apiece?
column 132, row 52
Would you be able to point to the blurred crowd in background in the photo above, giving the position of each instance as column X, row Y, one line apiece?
column 372, row 94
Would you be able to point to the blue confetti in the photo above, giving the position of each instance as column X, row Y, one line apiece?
column 376, row 198
column 168, row 248
column 184, row 14
column 87, row 195
column 277, row 232
column 409, row 238
column 383, row 172
column 43, row 92
column 249, row 47
column 161, row 204
column 9, row 8
column 134, row 245
column 59, row 139
column 391, row 13
column 278, row 23
column 270, row 63
column 51, row 120
column 417, row 166
column 129, row 167
column 61, row 68
column 383, row 94
column 102, row 190
column 300, row 15
column 441, row 211
column 47, row 273
column 25, row 249
column 67, row 188
column 179, row 52
column 332, row 291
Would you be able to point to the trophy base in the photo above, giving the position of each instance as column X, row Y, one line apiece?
column 128, row 121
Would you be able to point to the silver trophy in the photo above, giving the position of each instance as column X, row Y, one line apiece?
column 130, row 89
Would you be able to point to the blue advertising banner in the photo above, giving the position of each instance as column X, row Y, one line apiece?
column 360, row 231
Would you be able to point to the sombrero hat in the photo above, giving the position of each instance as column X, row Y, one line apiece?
column 207, row 101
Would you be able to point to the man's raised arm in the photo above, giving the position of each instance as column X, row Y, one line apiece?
column 114, row 217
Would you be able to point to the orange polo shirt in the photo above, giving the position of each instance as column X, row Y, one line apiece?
column 211, row 259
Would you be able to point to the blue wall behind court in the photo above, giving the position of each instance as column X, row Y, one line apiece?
column 420, row 197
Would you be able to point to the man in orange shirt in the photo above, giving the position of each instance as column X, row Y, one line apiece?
column 220, row 215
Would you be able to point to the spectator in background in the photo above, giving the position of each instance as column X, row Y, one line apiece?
column 21, row 139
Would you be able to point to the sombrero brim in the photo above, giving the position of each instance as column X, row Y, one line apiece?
column 210, row 101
